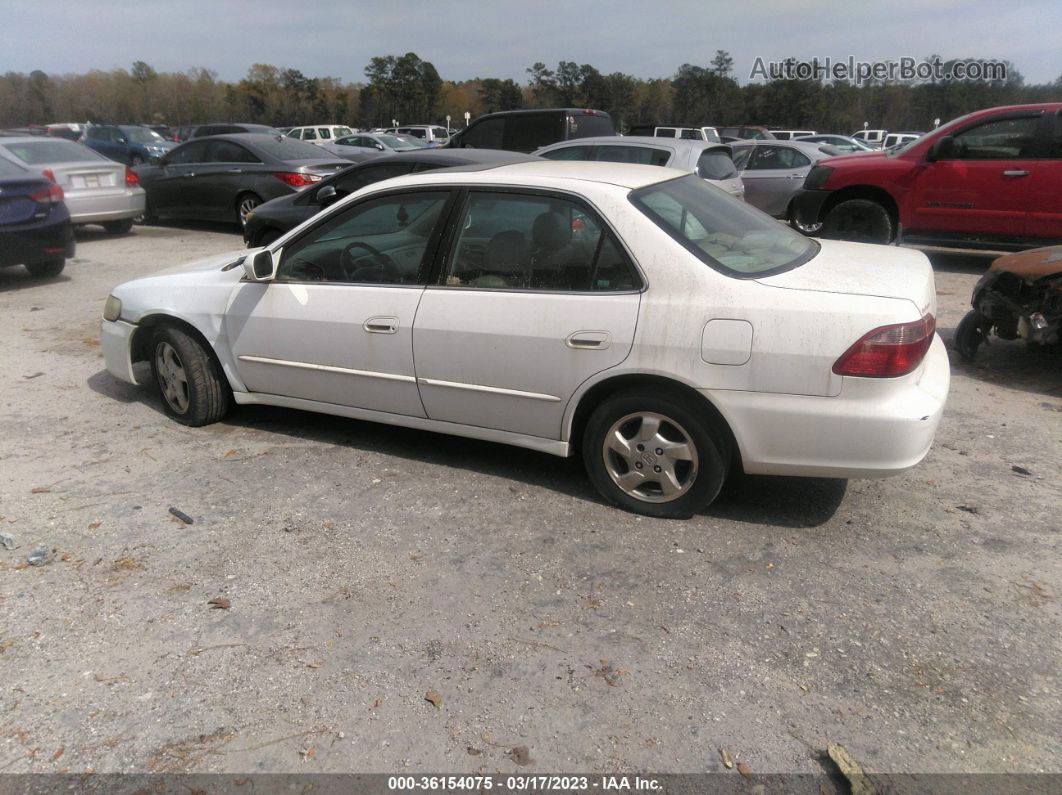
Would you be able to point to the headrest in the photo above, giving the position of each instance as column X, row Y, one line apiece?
column 551, row 231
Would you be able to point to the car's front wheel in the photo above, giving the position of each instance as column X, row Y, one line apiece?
column 245, row 205
column 858, row 220
column 47, row 269
column 969, row 334
column 654, row 455
column 194, row 390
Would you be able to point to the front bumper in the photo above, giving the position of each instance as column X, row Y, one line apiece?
column 91, row 209
column 116, row 339
column 807, row 205
column 873, row 428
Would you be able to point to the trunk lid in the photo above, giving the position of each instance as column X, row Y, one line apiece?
column 91, row 176
column 864, row 269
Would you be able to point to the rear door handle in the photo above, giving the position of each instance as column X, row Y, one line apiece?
column 1015, row 172
column 189, row 174
column 234, row 171
column 381, row 325
column 589, row 340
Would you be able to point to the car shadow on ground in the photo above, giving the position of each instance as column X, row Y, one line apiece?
column 788, row 502
column 18, row 278
column 1011, row 364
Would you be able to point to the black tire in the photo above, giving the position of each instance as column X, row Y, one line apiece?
column 267, row 236
column 701, row 478
column 969, row 335
column 205, row 396
column 245, row 202
column 119, row 227
column 858, row 220
column 47, row 269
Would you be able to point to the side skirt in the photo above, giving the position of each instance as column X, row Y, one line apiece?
column 551, row 446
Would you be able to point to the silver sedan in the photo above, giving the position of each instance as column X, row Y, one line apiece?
column 774, row 171
column 710, row 161
column 96, row 190
column 362, row 146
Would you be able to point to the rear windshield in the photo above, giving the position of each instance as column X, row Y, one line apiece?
column 290, row 149
column 401, row 144
column 43, row 152
column 716, row 164
column 726, row 234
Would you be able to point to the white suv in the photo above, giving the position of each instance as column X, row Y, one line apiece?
column 320, row 133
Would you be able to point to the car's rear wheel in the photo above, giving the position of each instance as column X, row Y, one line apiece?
column 969, row 335
column 858, row 220
column 119, row 227
column 46, row 269
column 244, row 205
column 194, row 390
column 654, row 455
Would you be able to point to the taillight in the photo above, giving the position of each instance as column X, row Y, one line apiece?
column 888, row 351
column 132, row 179
column 297, row 179
column 49, row 175
column 52, row 194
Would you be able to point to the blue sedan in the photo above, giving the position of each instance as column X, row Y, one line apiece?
column 35, row 228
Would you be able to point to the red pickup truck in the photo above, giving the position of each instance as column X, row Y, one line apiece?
column 990, row 180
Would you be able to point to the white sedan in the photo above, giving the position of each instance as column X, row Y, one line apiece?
column 631, row 313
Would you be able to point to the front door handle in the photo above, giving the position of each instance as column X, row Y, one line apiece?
column 1015, row 172
column 234, row 171
column 589, row 340
column 381, row 325
column 189, row 174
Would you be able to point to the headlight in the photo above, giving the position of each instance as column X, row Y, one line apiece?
column 817, row 177
column 112, row 310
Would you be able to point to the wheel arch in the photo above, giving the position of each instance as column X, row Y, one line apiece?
column 602, row 390
column 139, row 347
column 870, row 192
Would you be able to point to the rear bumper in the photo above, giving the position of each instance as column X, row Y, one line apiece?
column 807, row 205
column 116, row 339
column 874, row 428
column 37, row 243
column 89, row 209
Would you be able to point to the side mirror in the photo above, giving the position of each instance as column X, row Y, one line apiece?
column 941, row 149
column 259, row 266
column 122, row 139
column 327, row 195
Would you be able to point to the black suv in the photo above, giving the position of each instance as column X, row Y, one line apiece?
column 528, row 130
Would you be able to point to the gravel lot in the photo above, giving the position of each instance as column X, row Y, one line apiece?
column 913, row 620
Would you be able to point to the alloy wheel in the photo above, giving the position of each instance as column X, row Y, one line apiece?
column 173, row 379
column 650, row 457
column 246, row 206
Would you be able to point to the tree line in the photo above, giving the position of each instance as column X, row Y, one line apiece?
column 409, row 90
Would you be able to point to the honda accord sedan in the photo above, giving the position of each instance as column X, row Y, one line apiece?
column 224, row 177
column 633, row 314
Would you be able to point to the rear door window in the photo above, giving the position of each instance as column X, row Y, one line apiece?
column 229, row 152
column 194, row 152
column 309, row 135
column 324, row 132
column 569, row 153
column 777, row 157
column 644, row 155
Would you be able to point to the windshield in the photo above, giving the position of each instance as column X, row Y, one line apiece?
column 726, row 234
column 44, row 152
column 290, row 149
column 402, row 142
column 142, row 135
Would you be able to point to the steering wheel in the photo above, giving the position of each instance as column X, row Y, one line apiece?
column 388, row 268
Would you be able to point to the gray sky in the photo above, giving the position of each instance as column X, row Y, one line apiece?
column 501, row 38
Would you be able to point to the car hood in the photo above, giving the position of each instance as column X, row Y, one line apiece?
column 864, row 269
column 1032, row 264
column 215, row 262
column 862, row 158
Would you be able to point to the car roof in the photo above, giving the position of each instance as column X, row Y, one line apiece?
column 452, row 157
column 624, row 175
column 676, row 144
